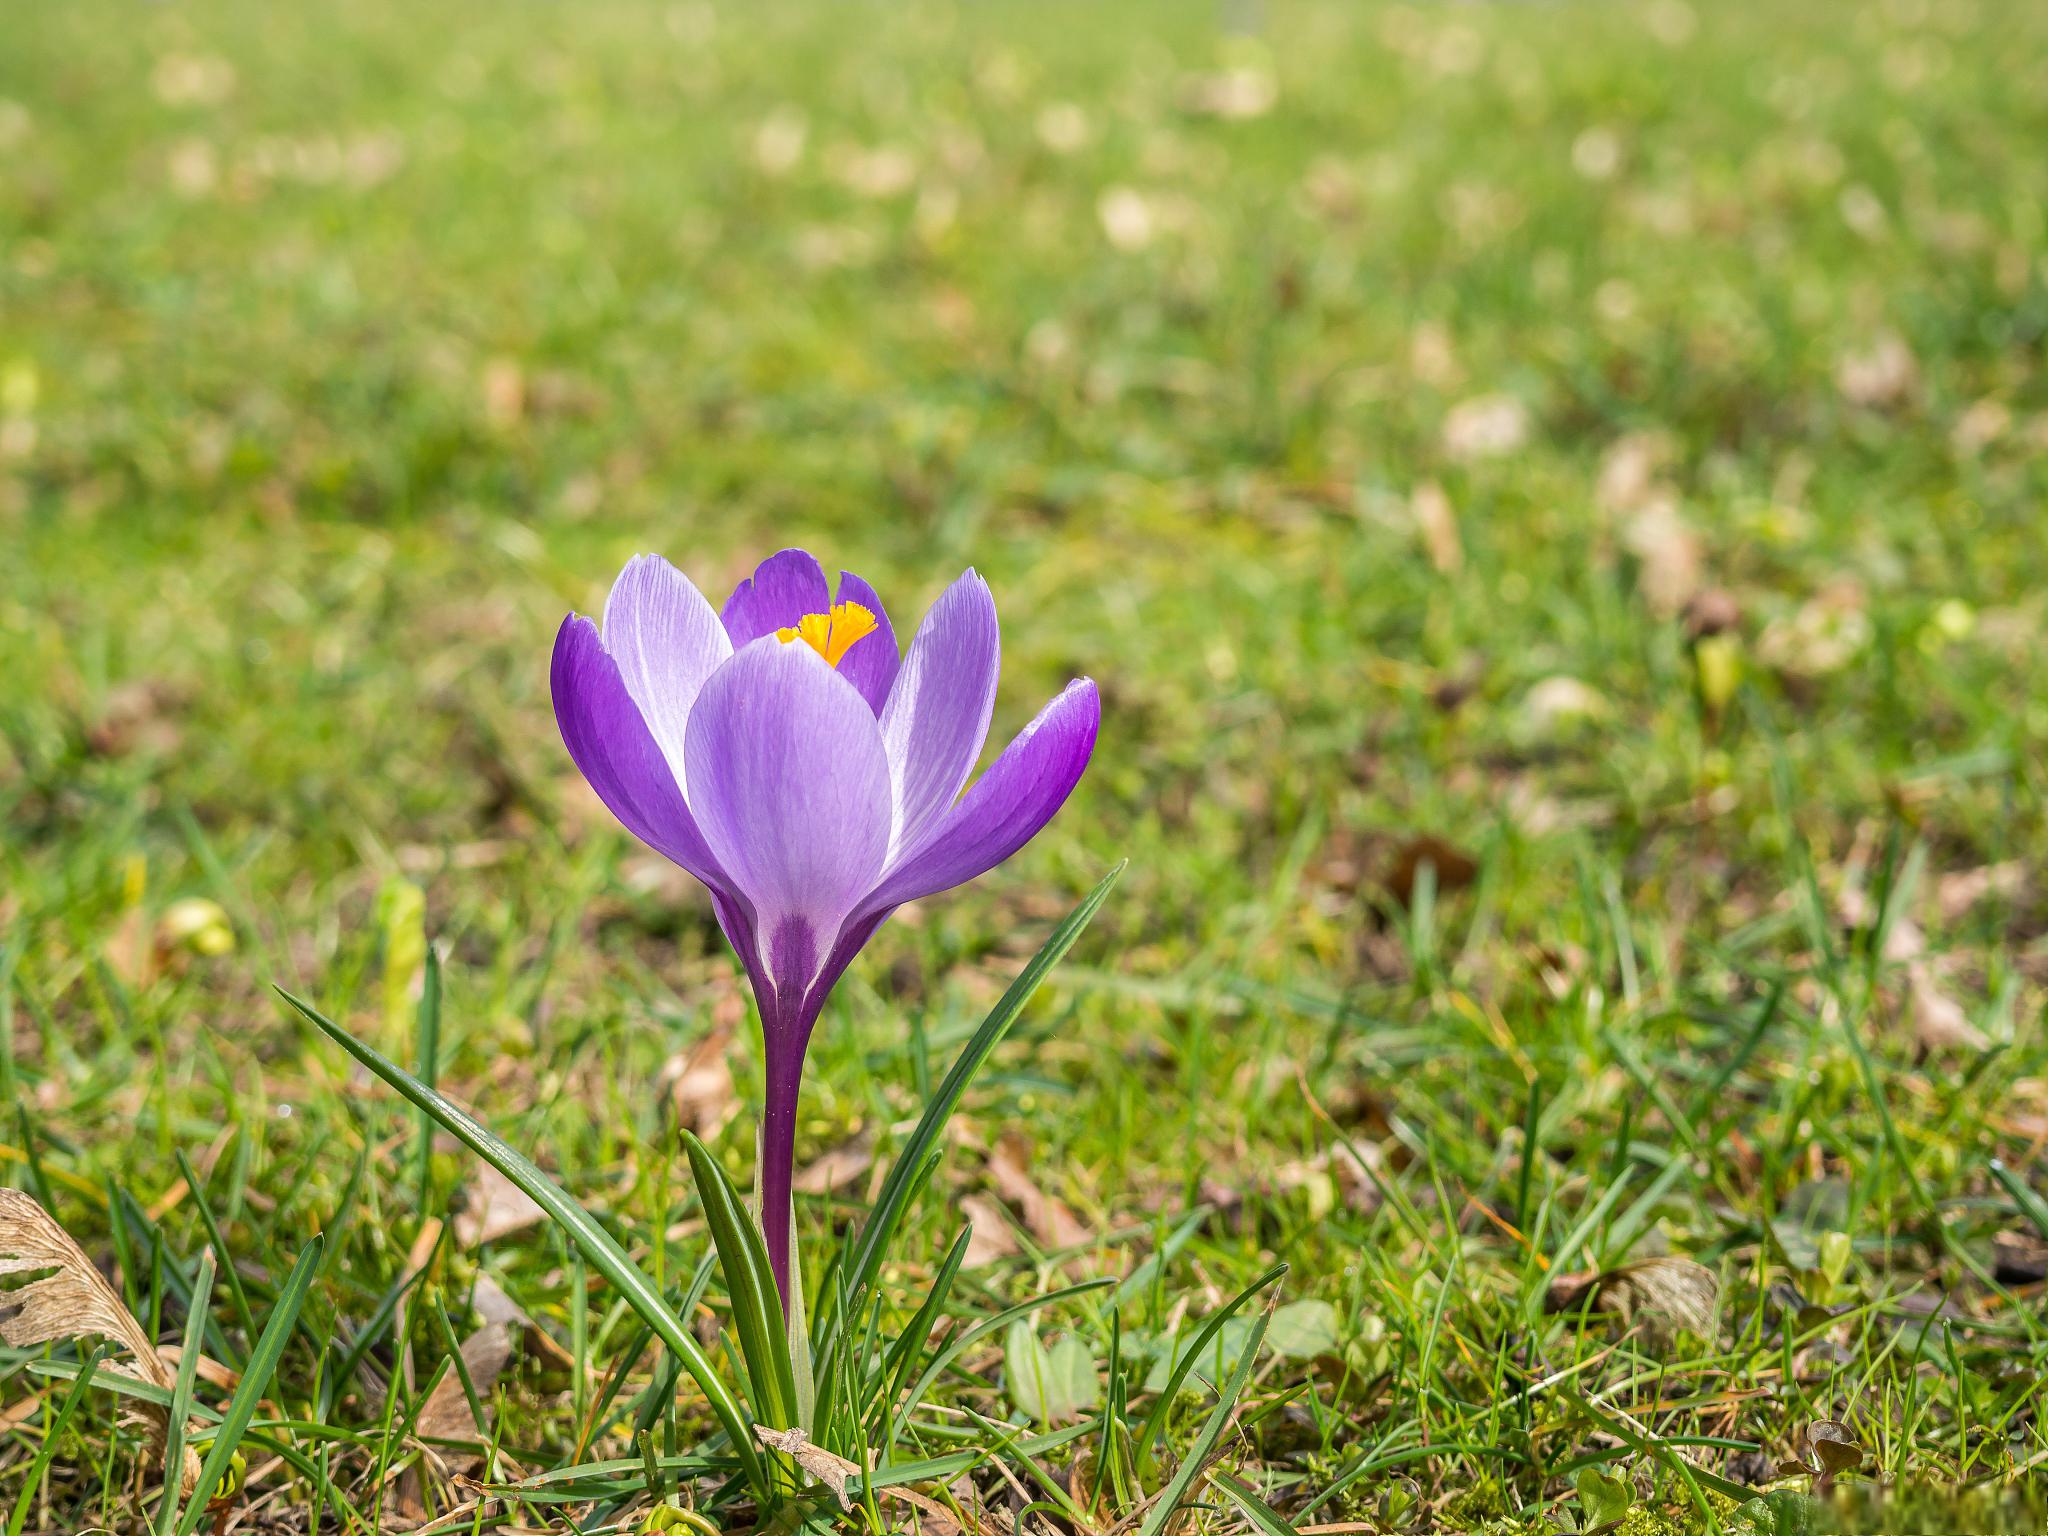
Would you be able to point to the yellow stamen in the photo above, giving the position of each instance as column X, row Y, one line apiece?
column 832, row 634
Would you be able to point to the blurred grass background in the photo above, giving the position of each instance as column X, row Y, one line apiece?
column 1606, row 440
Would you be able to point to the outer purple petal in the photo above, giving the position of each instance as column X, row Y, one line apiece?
column 790, row 785
column 870, row 664
column 1007, row 805
column 615, row 751
column 937, row 716
column 667, row 641
column 783, row 588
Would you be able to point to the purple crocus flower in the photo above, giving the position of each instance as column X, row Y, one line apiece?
column 786, row 755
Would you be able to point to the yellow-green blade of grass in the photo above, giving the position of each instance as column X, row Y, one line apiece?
column 181, row 1392
column 1197, row 1459
column 18, row 1517
column 750, row 1283
column 879, row 1231
column 1212, row 1326
column 596, row 1244
column 255, row 1382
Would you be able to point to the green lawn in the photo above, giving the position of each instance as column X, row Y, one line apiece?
column 1552, row 495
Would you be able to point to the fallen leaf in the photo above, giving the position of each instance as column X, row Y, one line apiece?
column 1628, row 472
column 1881, row 374
column 835, row 1472
column 839, row 1168
column 1561, row 701
column 1045, row 1216
column 1231, row 94
column 1669, row 556
column 1454, row 868
column 1436, row 522
column 1712, row 611
column 1829, row 631
column 445, row 1415
column 497, row 1208
column 989, row 1234
column 1127, row 218
column 1485, row 427
column 2019, row 1258
column 504, row 393
column 1939, row 1021
column 73, row 1301
column 1665, row 1293
column 700, row 1087
column 1956, row 894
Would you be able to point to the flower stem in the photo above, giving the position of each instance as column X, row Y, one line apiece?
column 778, row 1158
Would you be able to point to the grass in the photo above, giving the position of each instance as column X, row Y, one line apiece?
column 1606, row 441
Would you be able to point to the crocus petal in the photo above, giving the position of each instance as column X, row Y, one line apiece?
column 790, row 785
column 667, row 640
column 872, row 661
column 613, row 748
column 1007, row 805
column 783, row 589
column 937, row 716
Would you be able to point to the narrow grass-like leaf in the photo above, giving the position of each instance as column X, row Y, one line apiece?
column 1256, row 1509
column 2031, row 1205
column 181, row 1392
column 1197, row 1459
column 1163, row 1405
column 879, row 1231
column 750, row 1283
column 596, row 1244
column 18, row 1517
column 255, row 1382
column 119, row 1385
column 969, row 1337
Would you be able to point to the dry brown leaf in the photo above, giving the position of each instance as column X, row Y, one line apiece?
column 1663, row 1293
column 1830, row 630
column 700, row 1084
column 73, row 1301
column 990, row 1237
column 1712, row 611
column 1956, row 894
column 1485, row 427
column 1455, row 869
column 1436, row 522
column 1939, row 1021
column 835, row 1472
column 1628, row 472
column 1882, row 374
column 838, row 1168
column 494, row 1306
column 1048, row 1218
column 445, row 1415
column 208, row 1370
column 1560, row 701
column 1233, row 94
column 1670, row 558
column 497, row 1208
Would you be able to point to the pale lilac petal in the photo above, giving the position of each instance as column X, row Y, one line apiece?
column 937, row 716
column 613, row 749
column 783, row 589
column 791, row 788
column 667, row 640
column 1007, row 805
column 871, row 663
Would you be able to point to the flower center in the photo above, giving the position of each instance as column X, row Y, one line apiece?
column 831, row 634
